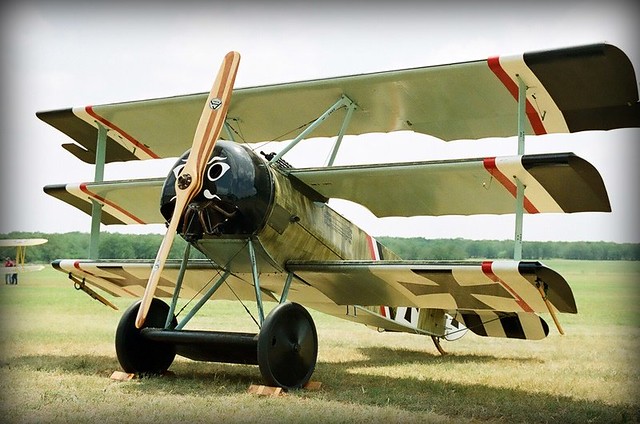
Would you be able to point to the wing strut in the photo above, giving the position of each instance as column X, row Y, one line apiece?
column 351, row 107
column 96, row 207
column 285, row 288
column 522, row 100
column 343, row 101
column 178, row 288
column 256, row 280
column 21, row 254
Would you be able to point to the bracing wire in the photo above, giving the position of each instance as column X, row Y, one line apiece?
column 217, row 275
column 279, row 138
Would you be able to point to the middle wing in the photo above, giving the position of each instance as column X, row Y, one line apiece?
column 553, row 183
column 123, row 202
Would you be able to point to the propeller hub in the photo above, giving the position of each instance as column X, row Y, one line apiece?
column 184, row 181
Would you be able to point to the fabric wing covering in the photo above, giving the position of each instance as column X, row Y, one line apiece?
column 575, row 89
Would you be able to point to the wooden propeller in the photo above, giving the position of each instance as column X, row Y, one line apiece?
column 189, row 182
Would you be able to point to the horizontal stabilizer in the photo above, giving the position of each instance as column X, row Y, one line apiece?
column 558, row 182
column 123, row 202
column 574, row 89
column 521, row 325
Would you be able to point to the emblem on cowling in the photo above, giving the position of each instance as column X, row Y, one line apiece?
column 215, row 103
column 184, row 181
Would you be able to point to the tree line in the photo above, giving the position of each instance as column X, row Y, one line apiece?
column 75, row 245
column 453, row 249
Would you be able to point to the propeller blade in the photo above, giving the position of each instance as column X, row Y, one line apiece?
column 189, row 182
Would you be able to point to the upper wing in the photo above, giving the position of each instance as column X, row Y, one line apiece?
column 554, row 183
column 581, row 88
column 21, row 242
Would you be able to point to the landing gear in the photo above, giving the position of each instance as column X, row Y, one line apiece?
column 285, row 350
column 138, row 354
column 436, row 341
column 287, row 346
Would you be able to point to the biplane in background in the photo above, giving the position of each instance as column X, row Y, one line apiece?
column 19, row 265
column 270, row 236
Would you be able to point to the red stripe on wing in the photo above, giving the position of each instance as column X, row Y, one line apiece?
column 109, row 124
column 84, row 189
column 534, row 118
column 487, row 268
column 490, row 166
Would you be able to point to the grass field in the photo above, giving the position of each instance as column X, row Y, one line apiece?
column 58, row 353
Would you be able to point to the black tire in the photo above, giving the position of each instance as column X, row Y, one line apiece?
column 137, row 354
column 287, row 347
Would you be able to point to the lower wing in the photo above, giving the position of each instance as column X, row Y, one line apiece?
column 495, row 299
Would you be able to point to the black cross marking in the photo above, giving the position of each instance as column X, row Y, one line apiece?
column 132, row 280
column 464, row 296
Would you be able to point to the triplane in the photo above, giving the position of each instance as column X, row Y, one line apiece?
column 21, row 255
column 270, row 236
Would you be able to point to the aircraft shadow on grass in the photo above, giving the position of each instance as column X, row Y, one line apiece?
column 386, row 356
column 340, row 383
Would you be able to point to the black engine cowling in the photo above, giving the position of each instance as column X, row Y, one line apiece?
column 235, row 198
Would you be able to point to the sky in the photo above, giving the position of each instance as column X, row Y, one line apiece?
column 64, row 54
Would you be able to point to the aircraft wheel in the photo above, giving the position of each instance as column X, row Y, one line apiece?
column 287, row 346
column 135, row 353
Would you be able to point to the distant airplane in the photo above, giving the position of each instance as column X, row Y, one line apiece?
column 21, row 253
column 269, row 234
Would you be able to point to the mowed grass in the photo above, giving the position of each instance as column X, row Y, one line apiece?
column 58, row 354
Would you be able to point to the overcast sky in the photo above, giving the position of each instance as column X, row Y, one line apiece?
column 63, row 54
